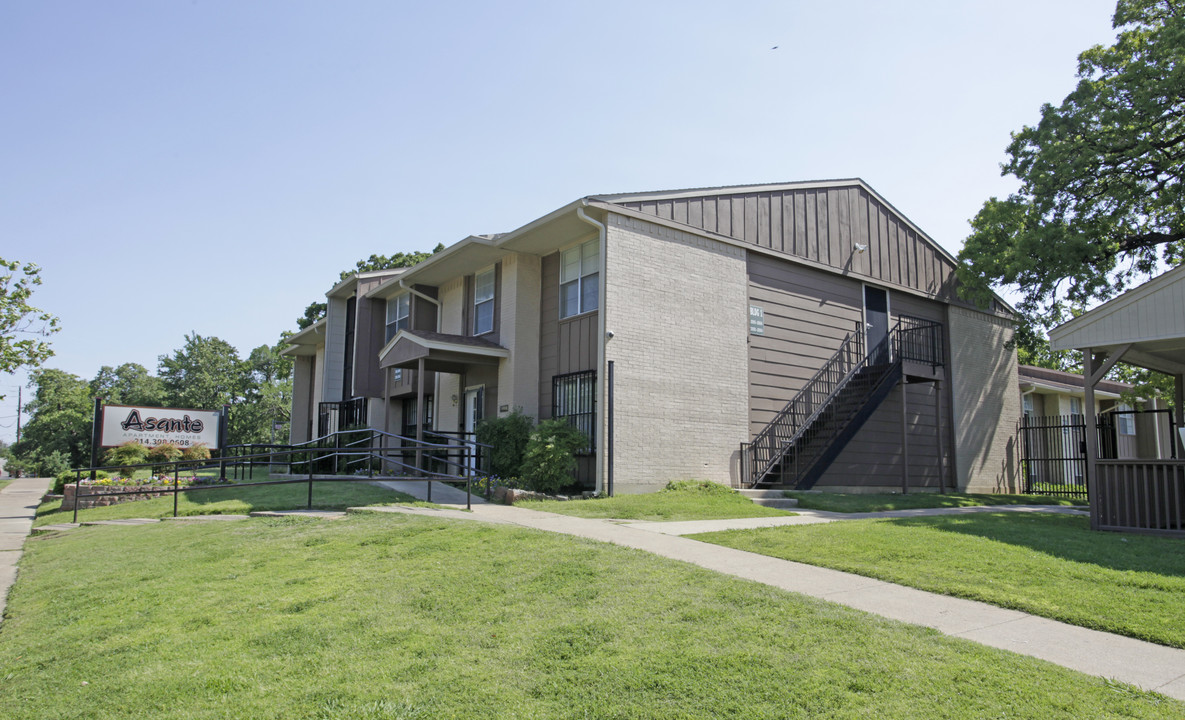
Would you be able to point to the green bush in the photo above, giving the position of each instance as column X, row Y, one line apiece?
column 508, row 437
column 163, row 454
column 549, row 462
column 196, row 452
column 126, row 455
column 69, row 477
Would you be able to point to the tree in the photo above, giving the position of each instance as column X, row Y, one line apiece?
column 128, row 384
column 19, row 318
column 205, row 374
column 267, row 397
column 1101, row 203
column 315, row 311
column 60, row 413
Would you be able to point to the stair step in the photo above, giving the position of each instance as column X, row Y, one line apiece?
column 763, row 494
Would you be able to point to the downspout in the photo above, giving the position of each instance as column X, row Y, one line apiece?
column 599, row 440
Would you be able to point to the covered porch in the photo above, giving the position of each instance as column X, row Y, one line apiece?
column 1144, row 327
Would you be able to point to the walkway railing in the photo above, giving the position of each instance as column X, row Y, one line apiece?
column 373, row 455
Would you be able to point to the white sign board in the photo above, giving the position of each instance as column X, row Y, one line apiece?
column 156, row 426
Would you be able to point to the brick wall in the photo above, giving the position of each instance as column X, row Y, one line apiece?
column 985, row 403
column 677, row 306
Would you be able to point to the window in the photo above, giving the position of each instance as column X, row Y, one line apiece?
column 483, row 302
column 1125, row 420
column 573, row 398
column 578, row 278
column 1027, row 401
column 398, row 315
column 1075, row 406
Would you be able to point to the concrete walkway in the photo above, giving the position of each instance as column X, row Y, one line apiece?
column 18, row 507
column 1146, row 665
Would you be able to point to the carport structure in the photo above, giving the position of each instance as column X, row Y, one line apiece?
column 1144, row 327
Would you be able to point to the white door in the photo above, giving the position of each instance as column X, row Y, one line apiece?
column 472, row 414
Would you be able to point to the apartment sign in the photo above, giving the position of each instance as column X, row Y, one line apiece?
column 157, row 426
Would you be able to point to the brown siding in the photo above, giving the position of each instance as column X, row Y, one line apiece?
column 565, row 346
column 821, row 225
column 369, row 319
column 807, row 315
column 873, row 457
column 423, row 313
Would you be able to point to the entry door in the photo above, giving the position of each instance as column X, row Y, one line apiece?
column 876, row 322
column 472, row 415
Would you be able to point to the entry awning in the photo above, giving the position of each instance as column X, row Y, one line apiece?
column 440, row 352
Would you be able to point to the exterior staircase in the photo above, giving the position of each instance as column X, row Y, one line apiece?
column 804, row 438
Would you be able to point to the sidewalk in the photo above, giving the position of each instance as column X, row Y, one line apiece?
column 18, row 505
column 1146, row 665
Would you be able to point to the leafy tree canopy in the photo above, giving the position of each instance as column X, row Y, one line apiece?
column 315, row 311
column 1101, row 199
column 205, row 374
column 128, row 384
column 22, row 326
column 60, row 418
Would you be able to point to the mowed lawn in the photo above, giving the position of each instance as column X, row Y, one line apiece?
column 880, row 502
column 235, row 500
column 679, row 500
column 389, row 616
column 1045, row 564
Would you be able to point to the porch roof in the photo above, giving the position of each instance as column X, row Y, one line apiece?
column 440, row 352
column 1145, row 325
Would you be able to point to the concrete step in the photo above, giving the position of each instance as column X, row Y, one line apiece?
column 770, row 498
column 762, row 493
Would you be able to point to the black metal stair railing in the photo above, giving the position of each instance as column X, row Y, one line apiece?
column 836, row 401
column 767, row 449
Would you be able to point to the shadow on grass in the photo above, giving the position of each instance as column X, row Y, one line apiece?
column 1066, row 537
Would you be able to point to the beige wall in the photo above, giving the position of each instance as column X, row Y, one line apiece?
column 985, row 404
column 452, row 300
column 677, row 305
column 302, row 384
column 332, row 362
column 518, row 375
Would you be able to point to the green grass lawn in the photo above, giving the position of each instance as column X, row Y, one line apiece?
column 687, row 500
column 388, row 616
column 232, row 500
column 4, row 483
column 1048, row 565
column 879, row 502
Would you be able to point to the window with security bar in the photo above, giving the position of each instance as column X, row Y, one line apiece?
column 573, row 398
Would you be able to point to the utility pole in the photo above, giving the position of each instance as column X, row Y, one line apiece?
column 18, row 412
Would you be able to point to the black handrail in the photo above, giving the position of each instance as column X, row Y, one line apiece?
column 911, row 339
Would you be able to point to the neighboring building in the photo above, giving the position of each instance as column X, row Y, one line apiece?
column 713, row 308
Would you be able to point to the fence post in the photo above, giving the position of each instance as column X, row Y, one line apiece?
column 310, row 504
column 176, row 481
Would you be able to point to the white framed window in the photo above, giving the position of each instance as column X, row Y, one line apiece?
column 1027, row 402
column 579, row 274
column 398, row 314
column 1124, row 420
column 1075, row 406
column 483, row 302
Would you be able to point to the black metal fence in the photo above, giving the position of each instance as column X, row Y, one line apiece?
column 1053, row 447
column 336, row 416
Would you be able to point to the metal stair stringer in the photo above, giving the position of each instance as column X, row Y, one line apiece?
column 846, row 427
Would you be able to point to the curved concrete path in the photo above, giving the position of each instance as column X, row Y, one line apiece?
column 18, row 507
column 1144, row 664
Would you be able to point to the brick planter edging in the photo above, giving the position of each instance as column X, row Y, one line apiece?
column 142, row 492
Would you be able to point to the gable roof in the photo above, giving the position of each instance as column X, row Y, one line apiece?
column 1150, row 317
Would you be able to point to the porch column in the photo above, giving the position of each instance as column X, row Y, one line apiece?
column 1090, row 377
column 386, row 416
column 904, row 441
column 420, row 421
column 1179, row 412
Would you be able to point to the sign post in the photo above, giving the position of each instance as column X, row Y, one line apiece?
column 96, row 440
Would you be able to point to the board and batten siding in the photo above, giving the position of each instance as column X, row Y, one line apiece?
column 808, row 313
column 820, row 225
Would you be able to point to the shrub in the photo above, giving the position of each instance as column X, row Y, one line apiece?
column 549, row 462
column 196, row 452
column 508, row 437
column 698, row 487
column 126, row 455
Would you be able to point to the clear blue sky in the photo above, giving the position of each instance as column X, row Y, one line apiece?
column 210, row 167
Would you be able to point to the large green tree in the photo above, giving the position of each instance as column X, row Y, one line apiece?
column 204, row 374
column 315, row 311
column 128, row 384
column 22, row 326
column 267, row 397
column 60, row 415
column 1101, row 203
